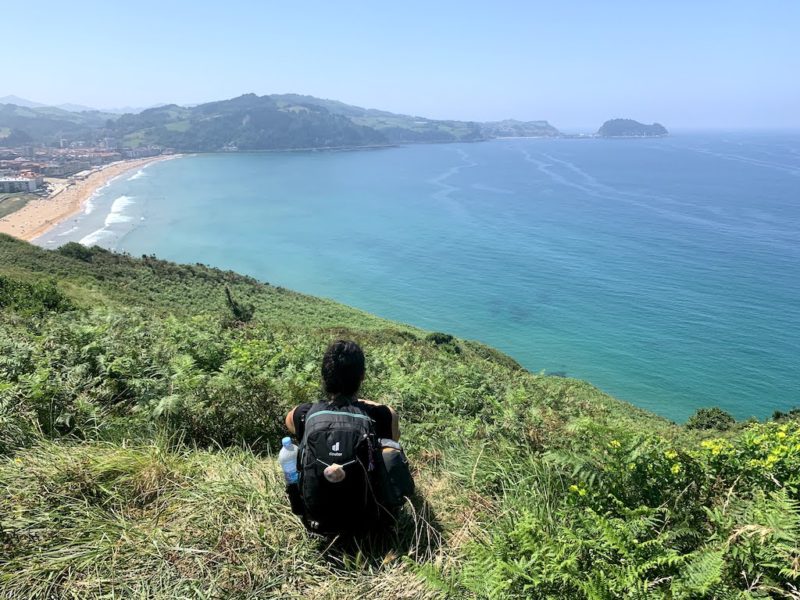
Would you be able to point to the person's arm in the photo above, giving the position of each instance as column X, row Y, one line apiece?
column 395, row 424
column 290, row 421
column 395, row 418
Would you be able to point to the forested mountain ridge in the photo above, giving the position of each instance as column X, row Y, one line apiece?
column 21, row 125
column 250, row 122
column 139, row 406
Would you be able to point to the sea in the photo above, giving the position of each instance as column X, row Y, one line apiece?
column 666, row 271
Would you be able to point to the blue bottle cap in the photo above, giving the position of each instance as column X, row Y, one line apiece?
column 287, row 441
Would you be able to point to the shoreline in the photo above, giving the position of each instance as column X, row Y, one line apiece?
column 39, row 216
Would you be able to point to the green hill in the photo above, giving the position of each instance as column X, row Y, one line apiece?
column 514, row 128
column 138, row 409
column 47, row 124
column 250, row 122
column 631, row 128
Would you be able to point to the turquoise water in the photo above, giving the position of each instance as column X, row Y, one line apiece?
column 664, row 271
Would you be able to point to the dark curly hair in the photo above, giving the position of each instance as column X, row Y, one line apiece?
column 342, row 368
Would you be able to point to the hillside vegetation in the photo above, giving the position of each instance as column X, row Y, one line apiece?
column 21, row 125
column 139, row 404
column 251, row 122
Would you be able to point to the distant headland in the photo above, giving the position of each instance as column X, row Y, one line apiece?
column 631, row 128
column 245, row 123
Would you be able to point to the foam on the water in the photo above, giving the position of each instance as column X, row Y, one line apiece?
column 446, row 190
column 96, row 237
column 115, row 216
column 117, row 209
column 68, row 232
column 90, row 205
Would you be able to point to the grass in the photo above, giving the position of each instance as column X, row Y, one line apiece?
column 134, row 140
column 158, row 521
column 10, row 203
column 180, row 126
column 138, row 417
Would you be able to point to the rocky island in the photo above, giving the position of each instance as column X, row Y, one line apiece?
column 631, row 128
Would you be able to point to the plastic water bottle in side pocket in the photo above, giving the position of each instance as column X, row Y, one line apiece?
column 287, row 458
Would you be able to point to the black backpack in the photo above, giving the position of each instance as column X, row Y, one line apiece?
column 342, row 435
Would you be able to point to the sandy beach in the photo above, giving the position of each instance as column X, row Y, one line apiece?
column 38, row 216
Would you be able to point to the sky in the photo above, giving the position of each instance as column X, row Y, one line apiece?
column 693, row 65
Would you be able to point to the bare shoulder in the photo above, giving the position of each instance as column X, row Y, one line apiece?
column 290, row 421
column 372, row 403
column 392, row 412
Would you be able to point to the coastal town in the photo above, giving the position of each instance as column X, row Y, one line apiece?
column 41, row 185
column 29, row 169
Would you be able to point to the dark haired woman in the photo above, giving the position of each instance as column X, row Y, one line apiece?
column 343, row 369
column 332, row 434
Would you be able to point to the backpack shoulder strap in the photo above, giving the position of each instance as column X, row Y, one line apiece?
column 347, row 412
column 316, row 407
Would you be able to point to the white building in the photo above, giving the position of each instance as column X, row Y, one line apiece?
column 9, row 185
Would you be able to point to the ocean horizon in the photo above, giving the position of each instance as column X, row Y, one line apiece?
column 664, row 271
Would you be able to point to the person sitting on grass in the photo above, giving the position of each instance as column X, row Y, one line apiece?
column 353, row 472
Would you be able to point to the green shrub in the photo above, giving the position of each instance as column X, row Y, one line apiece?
column 240, row 313
column 32, row 298
column 440, row 338
column 793, row 413
column 711, row 418
column 76, row 251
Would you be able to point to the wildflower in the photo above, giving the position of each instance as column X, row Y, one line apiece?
column 676, row 468
column 671, row 454
column 614, row 444
column 715, row 446
column 780, row 435
column 577, row 490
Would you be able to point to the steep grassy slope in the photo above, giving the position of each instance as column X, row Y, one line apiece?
column 137, row 412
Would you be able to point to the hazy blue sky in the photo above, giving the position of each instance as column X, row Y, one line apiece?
column 686, row 64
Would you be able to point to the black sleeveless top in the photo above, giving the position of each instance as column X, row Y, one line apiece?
column 380, row 414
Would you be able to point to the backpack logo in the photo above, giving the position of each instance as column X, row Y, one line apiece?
column 335, row 450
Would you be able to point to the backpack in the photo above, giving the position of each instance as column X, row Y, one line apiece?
column 345, row 436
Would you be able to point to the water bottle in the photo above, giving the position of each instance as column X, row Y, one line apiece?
column 287, row 457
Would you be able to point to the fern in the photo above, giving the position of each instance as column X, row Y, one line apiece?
column 702, row 573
